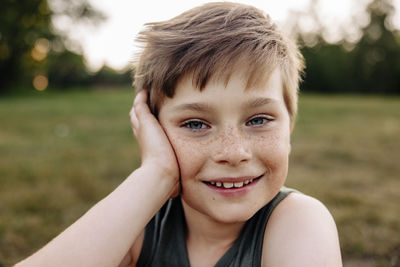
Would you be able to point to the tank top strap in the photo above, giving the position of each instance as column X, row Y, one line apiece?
column 247, row 249
column 164, row 239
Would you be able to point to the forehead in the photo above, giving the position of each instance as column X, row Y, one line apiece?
column 232, row 90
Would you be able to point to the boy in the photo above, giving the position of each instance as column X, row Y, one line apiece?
column 214, row 141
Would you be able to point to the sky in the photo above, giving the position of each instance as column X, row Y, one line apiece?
column 112, row 41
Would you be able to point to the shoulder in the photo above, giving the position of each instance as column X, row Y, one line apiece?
column 301, row 232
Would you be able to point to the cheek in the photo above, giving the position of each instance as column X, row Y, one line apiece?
column 273, row 151
column 190, row 154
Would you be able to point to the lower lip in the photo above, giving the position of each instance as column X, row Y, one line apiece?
column 234, row 192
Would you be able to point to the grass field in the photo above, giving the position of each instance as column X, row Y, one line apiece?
column 62, row 152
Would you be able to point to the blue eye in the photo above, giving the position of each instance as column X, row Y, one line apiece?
column 258, row 121
column 195, row 125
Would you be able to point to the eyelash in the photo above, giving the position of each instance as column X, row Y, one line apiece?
column 265, row 119
column 188, row 124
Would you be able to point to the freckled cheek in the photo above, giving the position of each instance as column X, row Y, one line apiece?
column 273, row 151
column 191, row 155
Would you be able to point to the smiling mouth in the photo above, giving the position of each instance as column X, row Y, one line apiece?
column 229, row 185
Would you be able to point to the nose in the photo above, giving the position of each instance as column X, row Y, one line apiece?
column 231, row 148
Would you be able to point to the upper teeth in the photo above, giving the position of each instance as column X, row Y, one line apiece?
column 231, row 184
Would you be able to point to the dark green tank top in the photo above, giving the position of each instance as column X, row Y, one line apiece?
column 164, row 240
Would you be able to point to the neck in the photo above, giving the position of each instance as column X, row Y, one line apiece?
column 203, row 231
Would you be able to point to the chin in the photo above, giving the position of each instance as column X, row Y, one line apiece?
column 233, row 218
column 235, row 213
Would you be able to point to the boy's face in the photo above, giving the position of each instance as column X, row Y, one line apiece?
column 232, row 145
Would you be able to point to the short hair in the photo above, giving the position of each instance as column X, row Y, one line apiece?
column 212, row 41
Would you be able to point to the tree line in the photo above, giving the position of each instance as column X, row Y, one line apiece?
column 372, row 65
column 32, row 54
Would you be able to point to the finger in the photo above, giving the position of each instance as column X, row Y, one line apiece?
column 133, row 119
column 140, row 97
column 132, row 114
column 140, row 105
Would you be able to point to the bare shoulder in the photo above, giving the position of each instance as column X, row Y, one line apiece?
column 301, row 232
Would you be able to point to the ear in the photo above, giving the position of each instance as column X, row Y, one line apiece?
column 290, row 140
column 291, row 127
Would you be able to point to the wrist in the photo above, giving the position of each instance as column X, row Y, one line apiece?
column 161, row 169
column 160, row 180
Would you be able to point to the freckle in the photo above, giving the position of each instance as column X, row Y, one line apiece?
column 261, row 138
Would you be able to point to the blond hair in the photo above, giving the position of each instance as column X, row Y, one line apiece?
column 213, row 41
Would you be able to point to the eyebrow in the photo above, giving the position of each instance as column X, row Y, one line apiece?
column 205, row 107
column 202, row 107
column 258, row 102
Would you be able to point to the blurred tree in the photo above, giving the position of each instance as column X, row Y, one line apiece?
column 20, row 27
column 66, row 69
column 107, row 76
column 372, row 65
column 329, row 69
column 27, row 37
column 377, row 55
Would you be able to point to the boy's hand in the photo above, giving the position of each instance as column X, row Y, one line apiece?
column 156, row 151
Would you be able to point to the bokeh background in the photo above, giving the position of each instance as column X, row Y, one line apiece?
column 65, row 94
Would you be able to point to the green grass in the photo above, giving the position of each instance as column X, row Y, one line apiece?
column 62, row 152
column 346, row 152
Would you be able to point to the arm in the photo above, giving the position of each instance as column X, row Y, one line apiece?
column 105, row 233
column 301, row 232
